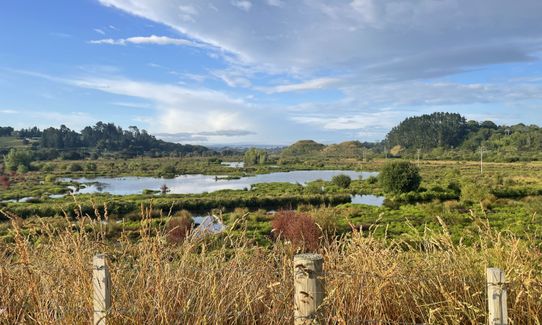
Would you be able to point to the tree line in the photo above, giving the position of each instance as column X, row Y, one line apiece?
column 100, row 138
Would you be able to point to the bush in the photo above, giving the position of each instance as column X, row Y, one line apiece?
column 178, row 228
column 75, row 167
column 298, row 228
column 48, row 167
column 400, row 177
column 326, row 219
column 91, row 167
column 4, row 182
column 474, row 193
column 372, row 180
column 168, row 171
column 342, row 181
column 22, row 169
column 16, row 158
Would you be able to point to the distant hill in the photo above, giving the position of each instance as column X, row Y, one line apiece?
column 351, row 149
column 302, row 147
column 348, row 148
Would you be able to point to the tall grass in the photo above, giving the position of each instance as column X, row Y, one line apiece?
column 227, row 280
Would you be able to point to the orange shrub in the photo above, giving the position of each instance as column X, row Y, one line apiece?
column 178, row 229
column 4, row 182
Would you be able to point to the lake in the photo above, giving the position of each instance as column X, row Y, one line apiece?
column 196, row 184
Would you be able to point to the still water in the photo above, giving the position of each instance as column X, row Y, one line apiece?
column 195, row 184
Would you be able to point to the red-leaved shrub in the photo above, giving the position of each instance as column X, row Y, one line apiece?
column 178, row 229
column 4, row 182
column 298, row 228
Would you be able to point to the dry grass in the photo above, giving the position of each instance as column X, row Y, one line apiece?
column 226, row 280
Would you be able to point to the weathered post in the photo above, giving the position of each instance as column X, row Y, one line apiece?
column 101, row 283
column 496, row 297
column 309, row 287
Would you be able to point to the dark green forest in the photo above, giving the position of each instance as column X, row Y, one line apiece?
column 450, row 130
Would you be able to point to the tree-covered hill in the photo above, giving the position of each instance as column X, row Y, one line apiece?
column 436, row 136
column 429, row 131
column 453, row 131
column 100, row 139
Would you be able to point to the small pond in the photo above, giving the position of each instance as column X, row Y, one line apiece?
column 373, row 200
column 234, row 164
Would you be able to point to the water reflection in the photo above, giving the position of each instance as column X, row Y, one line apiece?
column 195, row 184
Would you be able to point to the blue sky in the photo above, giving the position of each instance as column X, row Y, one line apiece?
column 268, row 71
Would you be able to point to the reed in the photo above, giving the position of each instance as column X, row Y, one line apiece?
column 227, row 280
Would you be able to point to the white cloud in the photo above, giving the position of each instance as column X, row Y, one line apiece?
column 188, row 9
column 242, row 4
column 44, row 119
column 306, row 85
column 376, row 39
column 8, row 111
column 153, row 39
column 99, row 31
column 203, row 136
column 133, row 105
column 180, row 109
column 188, row 12
column 363, row 120
column 233, row 77
column 275, row 3
column 416, row 93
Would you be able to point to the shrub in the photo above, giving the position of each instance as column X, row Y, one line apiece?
column 326, row 219
column 15, row 158
column 178, row 228
column 91, row 167
column 298, row 228
column 168, row 171
column 372, row 180
column 22, row 169
column 75, row 167
column 48, row 167
column 342, row 181
column 4, row 182
column 400, row 177
column 474, row 193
